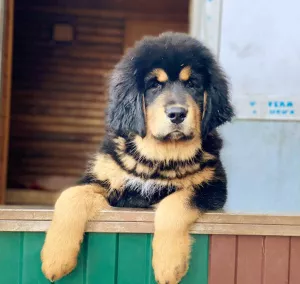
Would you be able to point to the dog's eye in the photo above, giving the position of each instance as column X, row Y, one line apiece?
column 154, row 85
column 190, row 84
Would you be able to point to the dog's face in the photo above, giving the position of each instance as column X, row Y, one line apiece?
column 173, row 104
column 168, row 87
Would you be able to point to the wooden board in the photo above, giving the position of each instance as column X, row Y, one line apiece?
column 276, row 260
column 254, row 259
column 250, row 258
column 126, row 258
column 104, row 258
column 5, row 93
column 222, row 259
column 294, row 274
column 14, row 218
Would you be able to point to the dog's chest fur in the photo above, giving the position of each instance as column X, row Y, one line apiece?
column 140, row 193
column 133, row 180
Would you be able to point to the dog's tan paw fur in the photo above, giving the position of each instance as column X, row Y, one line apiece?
column 171, row 254
column 59, row 258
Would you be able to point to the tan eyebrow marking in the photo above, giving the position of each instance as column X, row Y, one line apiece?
column 185, row 73
column 160, row 75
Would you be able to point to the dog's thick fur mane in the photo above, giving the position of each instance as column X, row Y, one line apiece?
column 168, row 96
column 151, row 170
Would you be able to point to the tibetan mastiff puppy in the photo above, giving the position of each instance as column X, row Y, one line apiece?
column 167, row 97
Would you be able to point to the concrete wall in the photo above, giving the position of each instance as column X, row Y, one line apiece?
column 262, row 159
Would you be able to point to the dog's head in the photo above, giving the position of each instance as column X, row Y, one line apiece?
column 169, row 87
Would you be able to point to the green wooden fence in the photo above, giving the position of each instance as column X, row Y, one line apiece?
column 105, row 258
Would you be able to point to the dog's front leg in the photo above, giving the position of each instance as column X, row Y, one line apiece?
column 74, row 207
column 172, row 242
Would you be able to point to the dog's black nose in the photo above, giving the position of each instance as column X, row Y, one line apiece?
column 176, row 114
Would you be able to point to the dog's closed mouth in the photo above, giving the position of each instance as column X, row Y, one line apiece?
column 175, row 135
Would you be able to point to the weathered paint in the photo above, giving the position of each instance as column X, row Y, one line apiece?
column 250, row 257
column 294, row 275
column 276, row 260
column 113, row 258
column 222, row 259
column 104, row 258
column 254, row 259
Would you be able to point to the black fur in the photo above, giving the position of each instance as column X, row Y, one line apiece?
column 212, row 143
column 170, row 51
column 125, row 111
column 211, row 195
column 133, row 199
column 218, row 109
column 126, row 119
column 206, row 195
column 90, row 179
column 110, row 148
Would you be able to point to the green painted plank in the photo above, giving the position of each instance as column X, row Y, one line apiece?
column 78, row 275
column 133, row 266
column 10, row 261
column 32, row 246
column 198, row 271
column 102, row 258
column 151, row 277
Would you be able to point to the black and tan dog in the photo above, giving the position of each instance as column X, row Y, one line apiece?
column 167, row 96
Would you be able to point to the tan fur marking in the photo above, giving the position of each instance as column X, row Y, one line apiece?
column 156, row 119
column 171, row 252
column 160, row 75
column 185, row 73
column 105, row 168
column 196, row 116
column 205, row 175
column 182, row 171
column 204, row 103
column 73, row 209
column 207, row 156
column 128, row 161
column 153, row 149
column 158, row 124
column 143, row 169
column 163, row 182
column 169, row 174
column 120, row 142
column 189, row 169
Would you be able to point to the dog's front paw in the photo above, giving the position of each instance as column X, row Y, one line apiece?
column 58, row 258
column 171, row 254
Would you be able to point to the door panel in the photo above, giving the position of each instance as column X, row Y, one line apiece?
column 6, row 39
column 136, row 29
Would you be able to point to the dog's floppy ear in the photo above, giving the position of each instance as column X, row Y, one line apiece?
column 126, row 106
column 217, row 106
